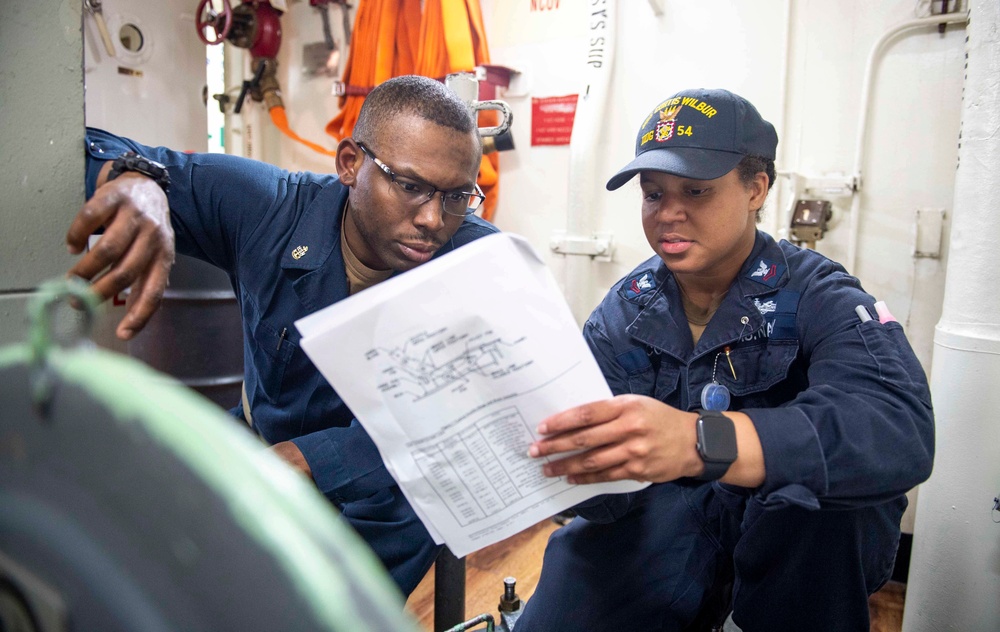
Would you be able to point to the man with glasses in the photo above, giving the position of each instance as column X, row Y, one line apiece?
column 292, row 243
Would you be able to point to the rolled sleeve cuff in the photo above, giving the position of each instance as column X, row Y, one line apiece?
column 101, row 147
column 345, row 463
column 793, row 458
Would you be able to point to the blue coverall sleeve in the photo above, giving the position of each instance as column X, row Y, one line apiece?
column 217, row 201
column 862, row 432
column 345, row 463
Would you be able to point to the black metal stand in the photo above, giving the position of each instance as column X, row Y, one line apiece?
column 449, row 591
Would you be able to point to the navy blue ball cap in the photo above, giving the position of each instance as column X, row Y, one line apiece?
column 701, row 134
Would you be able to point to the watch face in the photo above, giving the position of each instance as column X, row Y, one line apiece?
column 716, row 439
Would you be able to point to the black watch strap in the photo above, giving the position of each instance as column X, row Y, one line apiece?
column 131, row 161
column 713, row 471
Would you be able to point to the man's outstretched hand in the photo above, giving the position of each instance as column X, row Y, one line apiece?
column 136, row 250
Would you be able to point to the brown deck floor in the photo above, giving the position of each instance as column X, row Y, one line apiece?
column 521, row 557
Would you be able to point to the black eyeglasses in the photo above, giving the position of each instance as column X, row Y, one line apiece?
column 415, row 193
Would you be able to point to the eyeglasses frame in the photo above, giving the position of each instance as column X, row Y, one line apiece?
column 384, row 168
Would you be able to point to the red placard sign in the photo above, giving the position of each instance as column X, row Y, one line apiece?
column 552, row 119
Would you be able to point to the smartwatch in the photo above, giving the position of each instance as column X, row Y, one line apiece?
column 131, row 161
column 716, row 443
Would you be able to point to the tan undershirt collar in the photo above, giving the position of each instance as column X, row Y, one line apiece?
column 697, row 317
column 359, row 276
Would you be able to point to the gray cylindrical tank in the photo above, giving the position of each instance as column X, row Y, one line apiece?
column 196, row 336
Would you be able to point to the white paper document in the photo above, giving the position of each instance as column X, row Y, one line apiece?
column 449, row 368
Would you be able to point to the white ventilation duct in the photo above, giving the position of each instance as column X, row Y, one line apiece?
column 954, row 580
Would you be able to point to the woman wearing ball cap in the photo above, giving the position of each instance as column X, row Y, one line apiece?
column 780, row 433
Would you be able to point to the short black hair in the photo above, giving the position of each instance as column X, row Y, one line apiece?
column 750, row 166
column 412, row 94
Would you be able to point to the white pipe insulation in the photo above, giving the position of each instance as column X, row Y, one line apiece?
column 586, row 186
column 954, row 580
column 859, row 149
column 780, row 219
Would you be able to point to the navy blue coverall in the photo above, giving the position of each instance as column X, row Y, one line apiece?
column 843, row 412
column 246, row 217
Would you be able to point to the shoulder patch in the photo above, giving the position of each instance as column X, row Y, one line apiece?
column 766, row 272
column 639, row 284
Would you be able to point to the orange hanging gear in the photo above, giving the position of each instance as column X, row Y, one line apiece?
column 280, row 119
column 453, row 39
column 384, row 45
column 393, row 38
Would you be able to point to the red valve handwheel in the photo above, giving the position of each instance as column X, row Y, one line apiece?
column 212, row 19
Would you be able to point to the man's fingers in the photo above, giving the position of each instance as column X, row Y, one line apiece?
column 95, row 213
column 145, row 267
column 105, row 252
column 134, row 247
column 131, row 209
column 119, row 238
column 128, row 265
column 144, row 300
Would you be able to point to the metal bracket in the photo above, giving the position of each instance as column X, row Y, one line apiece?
column 600, row 246
column 929, row 233
column 42, row 335
column 831, row 186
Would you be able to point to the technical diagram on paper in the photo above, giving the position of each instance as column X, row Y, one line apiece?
column 433, row 361
column 449, row 368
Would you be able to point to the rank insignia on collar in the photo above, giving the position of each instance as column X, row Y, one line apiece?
column 766, row 272
column 299, row 252
column 639, row 284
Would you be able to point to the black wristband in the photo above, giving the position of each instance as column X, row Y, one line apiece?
column 714, row 471
column 131, row 161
